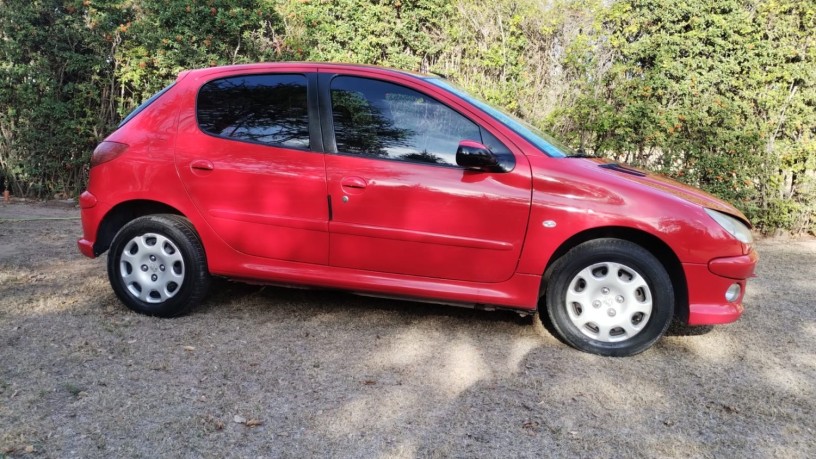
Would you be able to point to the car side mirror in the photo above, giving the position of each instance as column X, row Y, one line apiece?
column 474, row 156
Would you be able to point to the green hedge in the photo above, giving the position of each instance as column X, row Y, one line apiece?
column 720, row 95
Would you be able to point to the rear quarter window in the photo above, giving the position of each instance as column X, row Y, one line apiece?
column 145, row 104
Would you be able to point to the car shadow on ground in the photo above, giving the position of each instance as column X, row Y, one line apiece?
column 238, row 296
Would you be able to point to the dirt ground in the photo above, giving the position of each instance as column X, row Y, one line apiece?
column 317, row 373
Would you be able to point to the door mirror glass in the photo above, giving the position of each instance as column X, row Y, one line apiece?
column 475, row 156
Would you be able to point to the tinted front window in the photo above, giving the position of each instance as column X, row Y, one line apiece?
column 384, row 120
column 268, row 109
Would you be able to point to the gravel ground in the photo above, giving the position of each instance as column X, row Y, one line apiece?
column 269, row 372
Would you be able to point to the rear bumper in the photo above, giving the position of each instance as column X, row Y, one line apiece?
column 707, row 284
column 91, row 217
column 86, row 248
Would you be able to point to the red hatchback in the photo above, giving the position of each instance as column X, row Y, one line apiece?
column 396, row 184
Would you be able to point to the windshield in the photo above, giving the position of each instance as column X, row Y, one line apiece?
column 535, row 136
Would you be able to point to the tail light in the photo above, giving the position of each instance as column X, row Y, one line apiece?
column 107, row 151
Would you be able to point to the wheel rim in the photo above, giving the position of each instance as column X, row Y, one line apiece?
column 609, row 302
column 152, row 268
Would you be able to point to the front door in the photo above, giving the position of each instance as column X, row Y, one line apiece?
column 245, row 155
column 400, row 204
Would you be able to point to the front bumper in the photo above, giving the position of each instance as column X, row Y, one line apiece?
column 707, row 284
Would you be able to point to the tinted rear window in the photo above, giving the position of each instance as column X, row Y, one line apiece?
column 267, row 109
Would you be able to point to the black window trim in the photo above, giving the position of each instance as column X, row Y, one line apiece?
column 312, row 108
column 327, row 122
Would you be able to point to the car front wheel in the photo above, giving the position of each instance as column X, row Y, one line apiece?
column 609, row 297
column 157, row 265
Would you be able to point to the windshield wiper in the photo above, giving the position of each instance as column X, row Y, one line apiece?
column 581, row 153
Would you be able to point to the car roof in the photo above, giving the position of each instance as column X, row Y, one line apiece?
column 301, row 66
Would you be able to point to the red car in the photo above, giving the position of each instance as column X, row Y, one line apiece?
column 391, row 183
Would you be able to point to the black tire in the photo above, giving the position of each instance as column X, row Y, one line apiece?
column 611, row 284
column 157, row 265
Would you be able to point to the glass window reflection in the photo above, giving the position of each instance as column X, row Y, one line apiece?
column 379, row 119
column 267, row 109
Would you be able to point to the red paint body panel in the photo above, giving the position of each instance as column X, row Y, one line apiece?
column 741, row 267
column 430, row 221
column 390, row 227
column 520, row 291
column 87, row 200
column 577, row 196
column 263, row 201
column 86, row 247
column 707, row 304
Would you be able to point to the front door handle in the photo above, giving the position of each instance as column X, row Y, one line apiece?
column 202, row 165
column 356, row 183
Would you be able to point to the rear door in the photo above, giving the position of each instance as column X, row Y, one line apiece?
column 249, row 154
column 400, row 203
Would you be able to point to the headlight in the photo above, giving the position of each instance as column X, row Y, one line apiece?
column 734, row 227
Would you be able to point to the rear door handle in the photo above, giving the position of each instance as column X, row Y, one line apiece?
column 202, row 165
column 353, row 182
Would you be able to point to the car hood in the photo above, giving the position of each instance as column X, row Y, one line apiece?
column 669, row 186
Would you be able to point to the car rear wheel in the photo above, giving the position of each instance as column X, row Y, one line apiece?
column 609, row 297
column 157, row 266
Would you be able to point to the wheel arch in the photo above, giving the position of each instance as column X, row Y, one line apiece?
column 124, row 212
column 653, row 244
